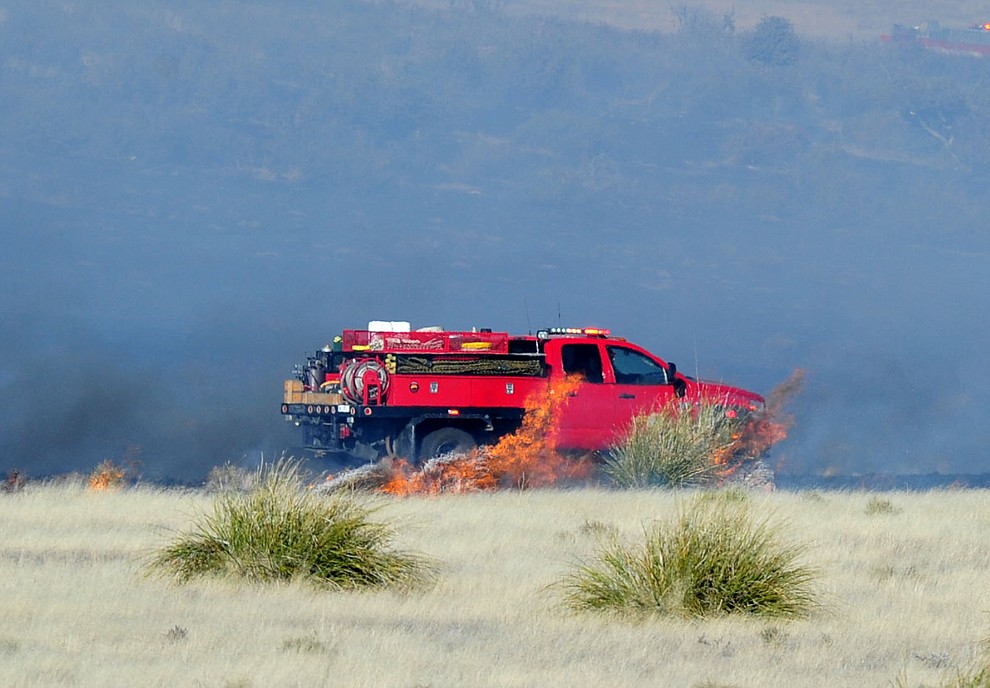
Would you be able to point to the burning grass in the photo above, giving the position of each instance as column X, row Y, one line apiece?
column 669, row 448
column 280, row 531
column 110, row 476
column 107, row 476
column 675, row 448
column 527, row 458
column 672, row 449
column 713, row 560
column 14, row 482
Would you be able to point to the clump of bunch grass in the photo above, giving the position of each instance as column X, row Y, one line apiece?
column 673, row 448
column 14, row 482
column 714, row 559
column 878, row 506
column 279, row 531
column 231, row 478
column 977, row 678
column 733, row 494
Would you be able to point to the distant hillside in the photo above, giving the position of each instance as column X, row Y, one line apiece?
column 839, row 20
column 192, row 195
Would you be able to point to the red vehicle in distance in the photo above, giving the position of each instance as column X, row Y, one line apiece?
column 424, row 393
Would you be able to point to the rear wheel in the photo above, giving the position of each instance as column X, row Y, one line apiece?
column 446, row 441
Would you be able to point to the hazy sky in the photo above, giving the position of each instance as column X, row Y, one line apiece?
column 193, row 197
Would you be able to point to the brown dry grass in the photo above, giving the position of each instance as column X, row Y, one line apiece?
column 906, row 593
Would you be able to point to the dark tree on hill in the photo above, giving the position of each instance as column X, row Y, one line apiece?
column 773, row 42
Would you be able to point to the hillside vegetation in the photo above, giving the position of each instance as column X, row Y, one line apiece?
column 372, row 93
column 836, row 20
column 209, row 190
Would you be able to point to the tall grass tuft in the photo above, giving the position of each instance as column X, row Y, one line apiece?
column 877, row 506
column 280, row 531
column 713, row 560
column 976, row 678
column 670, row 448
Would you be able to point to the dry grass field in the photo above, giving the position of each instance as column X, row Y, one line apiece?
column 839, row 19
column 903, row 578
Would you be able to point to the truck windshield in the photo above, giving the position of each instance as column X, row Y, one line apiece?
column 633, row 368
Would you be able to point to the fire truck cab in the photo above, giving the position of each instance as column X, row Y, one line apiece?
column 424, row 393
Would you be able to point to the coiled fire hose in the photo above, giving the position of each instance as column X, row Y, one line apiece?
column 353, row 380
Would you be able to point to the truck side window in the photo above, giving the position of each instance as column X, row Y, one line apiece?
column 633, row 368
column 582, row 359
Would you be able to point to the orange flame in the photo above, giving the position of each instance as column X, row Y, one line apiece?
column 722, row 455
column 527, row 458
column 763, row 428
column 106, row 476
column 15, row 482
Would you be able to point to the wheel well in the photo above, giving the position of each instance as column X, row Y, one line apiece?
column 445, row 440
column 473, row 427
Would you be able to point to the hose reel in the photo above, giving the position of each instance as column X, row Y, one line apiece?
column 364, row 381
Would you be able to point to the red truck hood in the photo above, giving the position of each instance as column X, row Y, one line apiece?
column 718, row 392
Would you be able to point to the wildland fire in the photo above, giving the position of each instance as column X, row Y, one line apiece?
column 501, row 577
column 454, row 411
column 530, row 458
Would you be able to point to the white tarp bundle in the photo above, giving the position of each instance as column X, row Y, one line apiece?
column 388, row 326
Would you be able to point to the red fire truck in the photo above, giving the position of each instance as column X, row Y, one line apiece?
column 424, row 393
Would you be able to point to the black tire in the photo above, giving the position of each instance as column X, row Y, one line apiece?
column 446, row 441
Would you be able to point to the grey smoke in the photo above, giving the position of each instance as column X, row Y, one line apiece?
column 193, row 196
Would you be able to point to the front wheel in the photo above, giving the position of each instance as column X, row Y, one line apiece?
column 446, row 441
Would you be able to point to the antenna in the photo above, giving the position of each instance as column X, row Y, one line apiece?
column 559, row 323
column 529, row 326
column 697, row 371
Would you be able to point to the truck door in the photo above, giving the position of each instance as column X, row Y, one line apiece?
column 641, row 383
column 587, row 419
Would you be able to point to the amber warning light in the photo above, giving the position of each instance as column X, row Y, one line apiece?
column 587, row 331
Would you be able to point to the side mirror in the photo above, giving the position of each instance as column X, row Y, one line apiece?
column 680, row 387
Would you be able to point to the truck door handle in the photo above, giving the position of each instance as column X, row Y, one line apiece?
column 627, row 396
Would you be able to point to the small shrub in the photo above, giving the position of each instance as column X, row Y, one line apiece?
column 933, row 660
column 307, row 644
column 280, row 531
column 732, row 494
column 672, row 448
column 237, row 683
column 773, row 42
column 14, row 482
column 877, row 506
column 773, row 636
column 596, row 528
column 977, row 678
column 176, row 634
column 714, row 559
column 231, row 478
column 886, row 572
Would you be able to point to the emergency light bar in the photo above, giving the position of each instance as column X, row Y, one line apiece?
column 586, row 331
